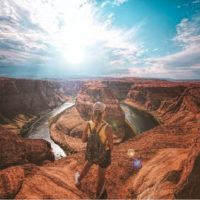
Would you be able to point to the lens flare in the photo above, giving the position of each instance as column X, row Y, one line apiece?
column 131, row 153
column 137, row 163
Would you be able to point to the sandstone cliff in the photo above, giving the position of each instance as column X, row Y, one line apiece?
column 15, row 150
column 21, row 100
column 170, row 152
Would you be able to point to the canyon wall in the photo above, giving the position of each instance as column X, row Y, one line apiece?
column 21, row 99
column 170, row 152
column 119, row 87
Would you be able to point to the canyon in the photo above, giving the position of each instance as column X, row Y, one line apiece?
column 21, row 100
column 170, row 152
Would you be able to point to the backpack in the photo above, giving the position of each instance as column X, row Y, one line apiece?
column 95, row 149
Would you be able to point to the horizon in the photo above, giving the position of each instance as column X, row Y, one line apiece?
column 57, row 39
column 90, row 78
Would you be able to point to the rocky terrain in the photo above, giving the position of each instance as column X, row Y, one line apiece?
column 21, row 100
column 172, row 149
column 170, row 152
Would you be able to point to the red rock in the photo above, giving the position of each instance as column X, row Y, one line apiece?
column 151, row 96
column 11, row 180
column 189, row 100
column 164, row 175
column 12, row 149
column 22, row 99
column 38, row 150
column 52, row 181
column 71, row 123
column 170, row 152
column 15, row 150
column 119, row 87
column 69, row 144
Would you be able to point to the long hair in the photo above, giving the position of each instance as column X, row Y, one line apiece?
column 97, row 117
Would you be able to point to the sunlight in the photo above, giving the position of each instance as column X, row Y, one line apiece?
column 74, row 54
column 76, row 32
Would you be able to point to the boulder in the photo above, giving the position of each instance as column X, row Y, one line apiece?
column 15, row 150
column 11, row 180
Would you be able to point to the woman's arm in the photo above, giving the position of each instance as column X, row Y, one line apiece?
column 85, row 133
column 110, row 136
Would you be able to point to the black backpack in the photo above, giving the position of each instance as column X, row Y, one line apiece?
column 95, row 149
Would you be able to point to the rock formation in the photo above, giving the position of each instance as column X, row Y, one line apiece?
column 15, row 150
column 51, row 181
column 11, row 180
column 21, row 100
column 119, row 87
column 170, row 152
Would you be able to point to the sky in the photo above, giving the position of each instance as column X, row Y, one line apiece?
column 100, row 38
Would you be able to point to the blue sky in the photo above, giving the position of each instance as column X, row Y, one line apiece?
column 74, row 38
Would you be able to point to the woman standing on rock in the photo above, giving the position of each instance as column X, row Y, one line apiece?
column 98, row 135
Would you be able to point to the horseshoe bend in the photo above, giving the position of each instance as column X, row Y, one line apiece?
column 42, row 121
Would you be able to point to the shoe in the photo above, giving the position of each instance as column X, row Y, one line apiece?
column 76, row 178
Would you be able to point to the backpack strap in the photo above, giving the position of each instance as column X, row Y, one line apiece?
column 101, row 127
column 90, row 127
column 98, row 129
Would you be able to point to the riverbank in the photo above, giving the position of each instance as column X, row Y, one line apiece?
column 142, row 109
column 70, row 144
column 39, row 128
column 27, row 126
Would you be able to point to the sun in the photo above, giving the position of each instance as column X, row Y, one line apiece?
column 77, row 32
column 74, row 54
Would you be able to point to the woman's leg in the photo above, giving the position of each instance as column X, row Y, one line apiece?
column 85, row 170
column 100, row 181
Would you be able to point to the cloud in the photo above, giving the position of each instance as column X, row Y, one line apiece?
column 196, row 2
column 113, row 2
column 183, row 64
column 188, row 32
column 119, row 2
column 42, row 31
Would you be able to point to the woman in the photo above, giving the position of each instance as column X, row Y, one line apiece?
column 98, row 135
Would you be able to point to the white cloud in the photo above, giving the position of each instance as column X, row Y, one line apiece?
column 182, row 64
column 119, row 2
column 44, row 27
column 188, row 32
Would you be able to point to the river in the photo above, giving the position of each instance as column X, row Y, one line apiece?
column 40, row 129
column 140, row 122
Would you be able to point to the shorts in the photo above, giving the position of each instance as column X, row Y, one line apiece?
column 107, row 161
